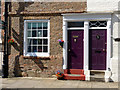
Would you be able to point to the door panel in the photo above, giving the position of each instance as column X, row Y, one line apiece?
column 97, row 49
column 75, row 49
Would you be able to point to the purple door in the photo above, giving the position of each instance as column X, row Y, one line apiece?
column 75, row 49
column 98, row 43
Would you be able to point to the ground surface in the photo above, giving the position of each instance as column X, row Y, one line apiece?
column 53, row 83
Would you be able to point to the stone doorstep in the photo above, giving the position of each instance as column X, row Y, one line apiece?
column 74, row 75
column 73, row 71
column 97, row 71
column 97, row 79
column 97, row 75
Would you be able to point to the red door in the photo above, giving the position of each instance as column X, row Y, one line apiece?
column 75, row 49
column 97, row 49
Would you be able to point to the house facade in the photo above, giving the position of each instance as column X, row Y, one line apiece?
column 113, row 35
column 1, row 36
column 0, row 44
column 90, row 35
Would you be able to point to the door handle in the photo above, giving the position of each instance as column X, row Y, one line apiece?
column 104, row 50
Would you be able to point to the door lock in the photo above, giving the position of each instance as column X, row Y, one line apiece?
column 104, row 50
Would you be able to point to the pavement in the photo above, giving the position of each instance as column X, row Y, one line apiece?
column 34, row 82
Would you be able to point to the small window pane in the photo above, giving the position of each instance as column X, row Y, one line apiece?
column 39, row 25
column 39, row 41
column 34, row 26
column 29, row 25
column 29, row 34
column 29, row 48
column 0, row 10
column 45, row 25
column 29, row 42
column 39, row 33
column 44, row 33
column 34, row 41
column 45, row 49
column 75, row 24
column 98, row 23
column 39, row 48
column 103, row 23
column 34, row 33
column 45, row 41
column 34, row 48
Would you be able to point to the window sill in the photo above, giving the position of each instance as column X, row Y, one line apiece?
column 0, row 41
column 35, row 57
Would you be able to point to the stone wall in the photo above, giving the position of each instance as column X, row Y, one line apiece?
column 30, row 66
column 47, row 6
column 1, row 36
column 44, row 67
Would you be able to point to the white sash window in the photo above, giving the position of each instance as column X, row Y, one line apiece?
column 36, row 38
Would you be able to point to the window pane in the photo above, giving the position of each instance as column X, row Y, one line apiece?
column 34, row 41
column 75, row 24
column 98, row 23
column 39, row 48
column 103, row 23
column 45, row 25
column 29, row 25
column 39, row 25
column 29, row 42
column 0, row 10
column 45, row 49
column 34, row 26
column 44, row 33
column 34, row 33
column 34, row 48
column 39, row 33
column 45, row 41
column 39, row 41
column 29, row 34
column 29, row 48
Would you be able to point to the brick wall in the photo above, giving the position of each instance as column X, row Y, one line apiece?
column 2, row 16
column 37, row 67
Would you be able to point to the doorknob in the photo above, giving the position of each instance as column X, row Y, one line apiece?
column 104, row 50
column 69, row 50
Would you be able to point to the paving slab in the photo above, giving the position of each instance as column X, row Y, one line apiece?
column 84, row 84
column 53, row 83
column 99, row 85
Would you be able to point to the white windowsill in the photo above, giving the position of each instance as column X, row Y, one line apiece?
column 0, row 41
column 37, row 54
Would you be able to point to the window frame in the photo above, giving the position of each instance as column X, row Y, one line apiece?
column 36, row 54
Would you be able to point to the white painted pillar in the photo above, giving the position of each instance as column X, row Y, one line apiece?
column 108, row 69
column 108, row 43
column 65, row 45
column 86, row 50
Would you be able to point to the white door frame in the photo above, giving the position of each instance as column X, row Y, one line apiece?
column 86, row 18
